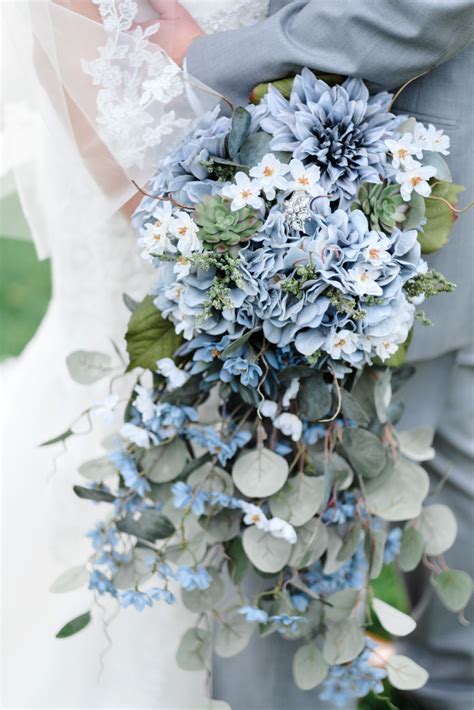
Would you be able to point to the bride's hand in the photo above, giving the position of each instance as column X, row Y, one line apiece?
column 177, row 29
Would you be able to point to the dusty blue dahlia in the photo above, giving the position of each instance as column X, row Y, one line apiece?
column 342, row 129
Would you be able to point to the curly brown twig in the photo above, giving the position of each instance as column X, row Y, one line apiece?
column 339, row 401
column 407, row 83
column 451, row 206
column 165, row 198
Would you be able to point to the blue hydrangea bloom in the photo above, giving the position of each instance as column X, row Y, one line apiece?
column 190, row 579
column 353, row 680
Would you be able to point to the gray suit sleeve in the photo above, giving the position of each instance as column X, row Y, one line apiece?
column 385, row 42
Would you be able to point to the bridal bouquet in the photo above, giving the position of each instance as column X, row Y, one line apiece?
column 258, row 472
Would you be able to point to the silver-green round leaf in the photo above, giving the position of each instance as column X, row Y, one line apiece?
column 268, row 554
column 299, row 500
column 309, row 667
column 260, row 473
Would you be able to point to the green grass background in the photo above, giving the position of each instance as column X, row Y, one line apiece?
column 25, row 290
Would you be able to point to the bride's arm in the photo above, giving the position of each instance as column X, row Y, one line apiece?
column 383, row 41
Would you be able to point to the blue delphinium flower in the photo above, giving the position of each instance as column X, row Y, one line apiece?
column 129, row 471
column 184, row 496
column 101, row 584
column 162, row 595
column 392, row 546
column 248, row 373
column 102, row 535
column 253, row 613
column 133, row 597
column 224, row 447
column 351, row 574
column 300, row 602
column 353, row 680
column 286, row 623
column 190, row 579
column 343, row 510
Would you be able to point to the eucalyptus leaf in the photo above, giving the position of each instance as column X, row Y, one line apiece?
column 254, row 148
column 454, row 588
column 203, row 600
column 260, row 473
column 234, row 634
column 314, row 398
column 240, row 125
column 383, row 394
column 223, row 526
column 311, row 544
column 299, row 499
column 439, row 217
column 340, row 605
column 405, row 674
column 343, row 642
column 130, row 302
column 402, row 495
column 416, row 444
column 194, row 650
column 188, row 552
column 412, row 546
column 437, row 161
column 74, row 626
column 416, row 212
column 58, row 439
column 365, row 452
column 332, row 563
column 97, row 470
column 97, row 495
column 350, row 543
column 266, row 553
column 375, row 545
column 212, row 479
column 150, row 337
column 309, row 667
column 394, row 621
column 352, row 410
column 438, row 527
column 236, row 345
column 71, row 579
column 237, row 563
column 151, row 526
column 87, row 367
column 161, row 464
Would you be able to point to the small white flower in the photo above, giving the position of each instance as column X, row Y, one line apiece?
column 290, row 425
column 244, row 193
column 106, row 408
column 342, row 342
column 270, row 174
column 385, row 348
column 184, row 324
column 364, row 280
column 182, row 267
column 291, row 392
column 138, row 436
column 403, row 150
column 185, row 229
column 376, row 250
column 155, row 242
column 431, row 139
column 268, row 408
column 144, row 403
column 176, row 377
column 281, row 529
column 254, row 516
column 416, row 178
column 305, row 178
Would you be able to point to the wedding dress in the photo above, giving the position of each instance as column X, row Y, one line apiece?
column 122, row 662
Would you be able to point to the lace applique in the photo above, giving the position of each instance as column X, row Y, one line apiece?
column 136, row 84
column 239, row 14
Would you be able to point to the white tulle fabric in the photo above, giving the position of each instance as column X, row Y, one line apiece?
column 72, row 179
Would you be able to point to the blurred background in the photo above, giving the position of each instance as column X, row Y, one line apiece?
column 25, row 291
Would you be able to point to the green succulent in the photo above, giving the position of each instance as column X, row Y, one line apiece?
column 220, row 228
column 383, row 206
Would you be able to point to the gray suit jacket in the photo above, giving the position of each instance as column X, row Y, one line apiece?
column 385, row 42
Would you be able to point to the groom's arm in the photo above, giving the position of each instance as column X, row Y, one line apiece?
column 383, row 41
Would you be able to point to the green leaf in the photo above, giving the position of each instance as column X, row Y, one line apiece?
column 365, row 452
column 234, row 634
column 151, row 526
column 351, row 409
column 186, row 394
column 268, row 554
column 223, row 526
column 412, row 546
column 343, row 642
column 402, row 493
column 383, row 394
column 237, row 560
column 311, row 544
column 92, row 494
column 299, row 499
column 57, row 439
column 235, row 345
column 332, row 562
column 203, row 600
column 149, row 336
column 350, row 543
column 161, row 464
column 189, row 552
column 284, row 86
column 87, row 367
column 394, row 621
column 416, row 212
column 405, row 674
column 130, row 302
column 438, row 527
column 74, row 626
column 260, row 473
column 70, row 580
column 97, row 470
column 194, row 650
column 439, row 217
column 314, row 398
column 211, row 478
column 239, row 130
column 416, row 443
column 454, row 588
column 309, row 667
column 256, row 146
column 375, row 544
column 340, row 605
column 437, row 161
